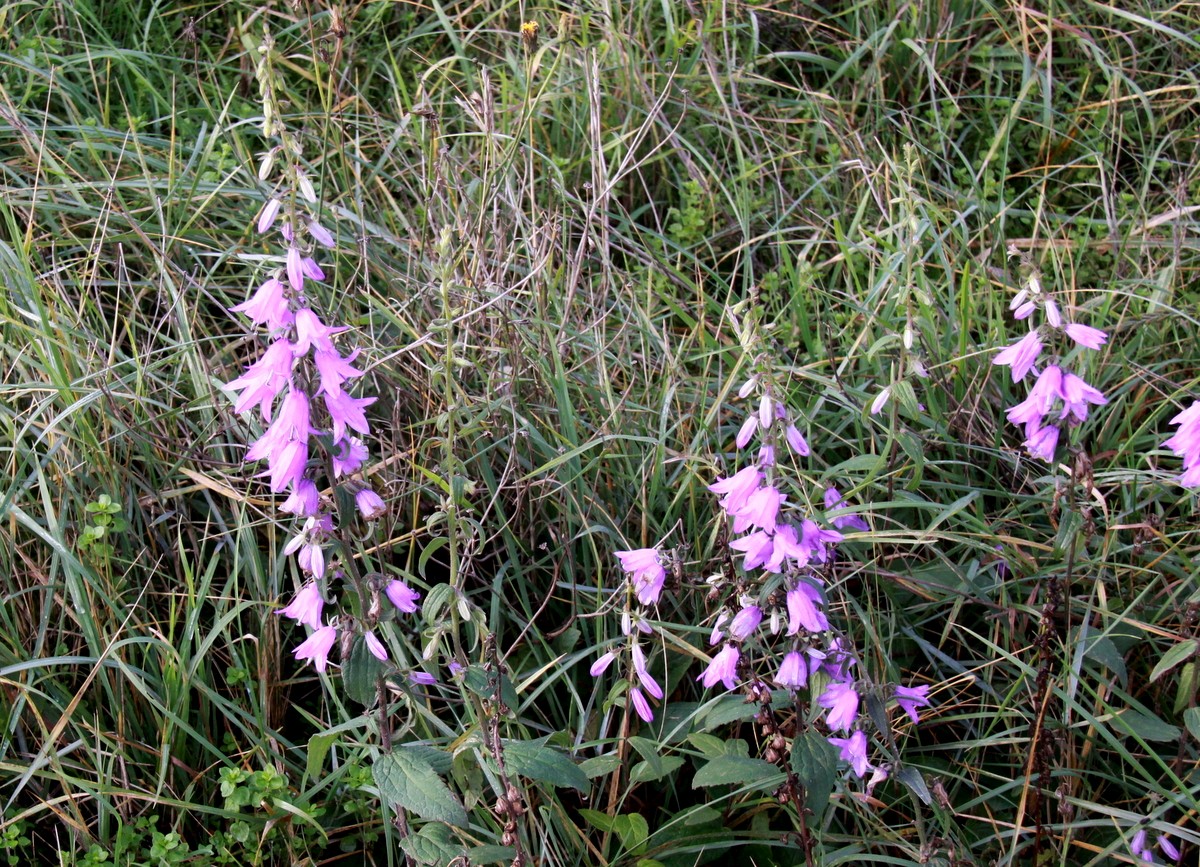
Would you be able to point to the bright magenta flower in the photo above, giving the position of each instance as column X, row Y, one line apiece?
column 912, row 697
column 1186, row 444
column 803, row 611
column 370, row 504
column 854, row 751
column 1021, row 355
column 267, row 306
column 641, row 705
column 375, row 646
column 737, row 488
column 842, row 701
column 1085, row 335
column 402, row 596
column 722, row 668
column 347, row 412
column 264, row 379
column 317, row 647
column 745, row 622
column 793, row 671
column 746, row 432
column 351, row 453
column 601, row 665
column 1043, row 442
column 645, row 680
column 306, row 606
column 648, row 573
column 311, row 331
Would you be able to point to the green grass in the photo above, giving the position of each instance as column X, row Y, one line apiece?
column 546, row 252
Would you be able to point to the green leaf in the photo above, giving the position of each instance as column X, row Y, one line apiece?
column 1191, row 719
column 433, row 844
column 407, row 779
column 737, row 770
column 633, row 831
column 1104, row 651
column 599, row 821
column 535, row 760
column 711, row 745
column 492, row 854
column 1182, row 651
column 645, row 747
column 599, row 766
column 1187, row 686
column 912, row 778
column 318, row 748
column 437, row 601
column 438, row 759
column 1147, row 726
column 730, row 708
column 655, row 769
column 702, row 816
column 814, row 761
column 430, row 549
column 480, row 682
column 1069, row 527
column 361, row 673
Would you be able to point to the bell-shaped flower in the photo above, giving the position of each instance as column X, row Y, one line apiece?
column 722, row 668
column 402, row 596
column 1021, row 356
column 841, row 699
column 317, row 647
column 306, row 606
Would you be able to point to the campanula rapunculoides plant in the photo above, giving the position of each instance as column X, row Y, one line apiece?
column 302, row 387
column 774, row 627
column 772, row 634
column 1059, row 399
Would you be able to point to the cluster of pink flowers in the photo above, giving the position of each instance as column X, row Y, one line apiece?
column 1186, row 444
column 1058, row 397
column 301, row 365
column 790, row 547
column 647, row 575
column 1142, row 848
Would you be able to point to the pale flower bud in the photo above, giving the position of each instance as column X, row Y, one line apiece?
column 766, row 411
column 306, row 187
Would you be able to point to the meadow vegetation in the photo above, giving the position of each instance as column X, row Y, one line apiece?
column 566, row 235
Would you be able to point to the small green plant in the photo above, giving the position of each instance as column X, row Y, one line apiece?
column 15, row 843
column 106, row 519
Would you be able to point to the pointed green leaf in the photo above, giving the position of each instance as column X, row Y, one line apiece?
column 1182, row 651
column 912, row 778
column 407, row 779
column 535, row 760
column 633, row 830
column 737, row 770
column 1191, row 719
column 318, row 748
column 361, row 672
column 433, row 844
column 814, row 761
column 1147, row 726
column 598, row 766
column 650, row 770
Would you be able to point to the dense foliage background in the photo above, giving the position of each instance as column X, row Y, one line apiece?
column 544, row 243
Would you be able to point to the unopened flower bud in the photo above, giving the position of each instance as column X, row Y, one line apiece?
column 306, row 187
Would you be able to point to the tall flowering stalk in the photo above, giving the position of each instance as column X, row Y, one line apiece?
column 300, row 387
column 1059, row 399
column 772, row 629
column 776, row 613
column 1186, row 444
